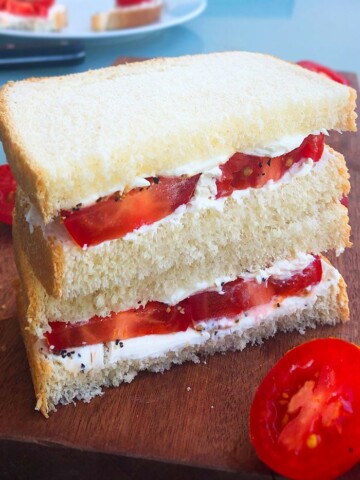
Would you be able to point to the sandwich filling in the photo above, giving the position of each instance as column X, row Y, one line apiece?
column 156, row 199
column 226, row 305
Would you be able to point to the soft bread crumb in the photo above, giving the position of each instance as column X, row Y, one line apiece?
column 99, row 120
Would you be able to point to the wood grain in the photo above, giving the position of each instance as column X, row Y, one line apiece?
column 155, row 428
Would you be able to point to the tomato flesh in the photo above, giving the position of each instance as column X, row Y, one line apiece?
column 305, row 416
column 311, row 275
column 118, row 215
column 244, row 171
column 7, row 194
column 316, row 67
column 27, row 7
column 157, row 318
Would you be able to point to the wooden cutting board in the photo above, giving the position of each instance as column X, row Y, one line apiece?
column 190, row 422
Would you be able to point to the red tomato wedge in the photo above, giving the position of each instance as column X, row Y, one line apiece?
column 305, row 416
column 7, row 194
column 244, row 171
column 316, row 67
column 118, row 215
column 155, row 318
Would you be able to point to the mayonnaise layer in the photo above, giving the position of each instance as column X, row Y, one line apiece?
column 86, row 358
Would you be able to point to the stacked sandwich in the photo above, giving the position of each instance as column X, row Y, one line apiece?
column 169, row 209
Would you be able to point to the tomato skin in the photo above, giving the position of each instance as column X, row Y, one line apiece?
column 305, row 415
column 243, row 171
column 116, row 216
column 154, row 318
column 7, row 194
column 318, row 68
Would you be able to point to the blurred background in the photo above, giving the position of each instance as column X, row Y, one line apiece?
column 325, row 31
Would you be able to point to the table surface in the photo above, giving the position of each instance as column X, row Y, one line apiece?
column 155, row 427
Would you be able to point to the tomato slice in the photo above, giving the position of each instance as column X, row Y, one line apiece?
column 155, row 318
column 235, row 297
column 118, row 215
column 7, row 194
column 305, row 416
column 311, row 275
column 316, row 67
column 240, row 295
column 244, row 171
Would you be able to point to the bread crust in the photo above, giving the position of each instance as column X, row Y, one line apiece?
column 112, row 140
column 180, row 253
column 120, row 18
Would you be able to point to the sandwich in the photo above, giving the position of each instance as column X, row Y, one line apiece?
column 128, row 14
column 152, row 228
column 35, row 15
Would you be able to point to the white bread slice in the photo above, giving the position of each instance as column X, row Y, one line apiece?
column 69, row 138
column 127, row 17
column 54, row 383
column 303, row 215
column 55, row 21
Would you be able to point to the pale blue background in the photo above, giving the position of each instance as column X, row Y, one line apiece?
column 326, row 31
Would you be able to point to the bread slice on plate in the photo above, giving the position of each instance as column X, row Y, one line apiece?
column 137, row 15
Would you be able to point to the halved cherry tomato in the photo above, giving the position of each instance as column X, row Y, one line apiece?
column 7, row 194
column 118, row 215
column 316, row 67
column 154, row 318
column 244, row 171
column 305, row 416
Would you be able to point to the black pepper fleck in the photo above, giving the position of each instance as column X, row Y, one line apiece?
column 156, row 180
column 99, row 200
column 121, row 344
column 260, row 165
column 269, row 162
column 278, row 305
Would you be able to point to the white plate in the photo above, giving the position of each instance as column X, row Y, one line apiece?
column 79, row 13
